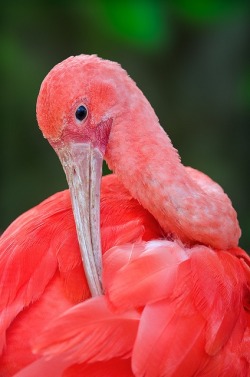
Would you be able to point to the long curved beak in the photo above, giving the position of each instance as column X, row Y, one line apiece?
column 82, row 164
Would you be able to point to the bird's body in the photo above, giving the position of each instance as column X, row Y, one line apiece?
column 169, row 311
column 173, row 297
column 40, row 280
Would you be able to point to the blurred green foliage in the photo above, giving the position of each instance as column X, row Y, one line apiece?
column 208, row 10
column 189, row 57
column 139, row 23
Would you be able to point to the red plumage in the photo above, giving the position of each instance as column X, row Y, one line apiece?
column 41, row 268
column 180, row 304
column 172, row 288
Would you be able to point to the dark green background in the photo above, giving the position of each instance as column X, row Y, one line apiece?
column 189, row 58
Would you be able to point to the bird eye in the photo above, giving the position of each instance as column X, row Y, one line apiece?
column 81, row 113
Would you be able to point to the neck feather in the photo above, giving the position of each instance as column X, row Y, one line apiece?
column 142, row 156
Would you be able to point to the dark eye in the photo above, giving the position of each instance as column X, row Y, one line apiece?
column 81, row 112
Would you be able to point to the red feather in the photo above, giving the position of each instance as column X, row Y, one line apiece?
column 185, row 325
column 103, row 335
column 41, row 273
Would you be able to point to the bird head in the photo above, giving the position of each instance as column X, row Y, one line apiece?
column 80, row 103
column 79, row 100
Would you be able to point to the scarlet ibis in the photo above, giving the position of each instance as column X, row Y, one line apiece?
column 170, row 297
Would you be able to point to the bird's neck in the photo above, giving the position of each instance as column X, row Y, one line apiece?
column 142, row 156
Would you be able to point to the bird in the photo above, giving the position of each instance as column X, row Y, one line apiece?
column 157, row 283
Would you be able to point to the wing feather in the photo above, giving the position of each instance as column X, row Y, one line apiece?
column 188, row 296
column 31, row 250
column 90, row 332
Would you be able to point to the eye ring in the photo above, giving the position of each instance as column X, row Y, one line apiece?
column 81, row 113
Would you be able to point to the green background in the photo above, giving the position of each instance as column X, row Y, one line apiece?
column 188, row 57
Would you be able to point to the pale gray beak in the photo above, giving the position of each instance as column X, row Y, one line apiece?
column 82, row 164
